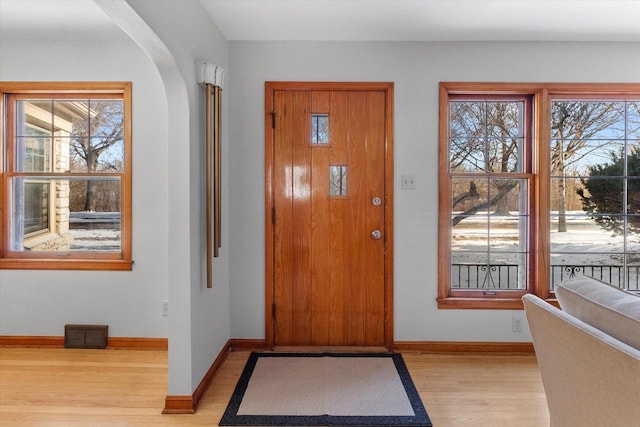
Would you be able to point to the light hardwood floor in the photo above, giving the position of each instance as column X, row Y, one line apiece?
column 68, row 387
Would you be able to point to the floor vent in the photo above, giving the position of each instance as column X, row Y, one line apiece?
column 85, row 336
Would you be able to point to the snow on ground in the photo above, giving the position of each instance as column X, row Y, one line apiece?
column 583, row 244
column 100, row 239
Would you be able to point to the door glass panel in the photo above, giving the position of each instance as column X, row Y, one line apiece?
column 319, row 128
column 337, row 180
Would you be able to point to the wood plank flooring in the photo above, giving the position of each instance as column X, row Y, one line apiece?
column 69, row 387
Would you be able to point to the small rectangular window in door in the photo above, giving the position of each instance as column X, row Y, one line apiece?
column 319, row 128
column 337, row 180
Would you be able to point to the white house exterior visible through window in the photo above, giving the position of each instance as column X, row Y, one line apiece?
column 66, row 176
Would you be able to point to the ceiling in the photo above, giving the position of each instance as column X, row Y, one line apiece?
column 56, row 20
column 427, row 20
column 354, row 20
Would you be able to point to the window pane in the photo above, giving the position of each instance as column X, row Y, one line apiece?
column 71, row 117
column 32, row 115
column 92, row 137
column 36, row 207
column 93, row 155
column 470, row 235
column 508, row 233
column 77, row 215
column 467, row 195
column 633, row 196
column 468, row 154
column 489, row 245
column 107, row 119
column 505, row 155
column 33, row 136
column 504, row 119
column 507, row 271
column 467, row 119
column 599, row 196
column 486, row 136
column 583, row 120
column 633, row 158
column 509, row 215
column 633, row 120
column 473, row 271
column 632, row 279
column 606, row 267
column 582, row 234
column 508, row 197
column 583, row 157
column 565, row 193
column 319, row 128
column 33, row 154
column 633, row 236
column 468, row 270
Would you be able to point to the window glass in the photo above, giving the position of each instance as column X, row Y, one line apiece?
column 489, row 210
column 337, row 180
column 593, row 189
column 486, row 136
column 68, row 178
column 525, row 202
column 36, row 207
column 319, row 128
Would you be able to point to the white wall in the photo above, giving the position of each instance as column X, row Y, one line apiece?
column 416, row 68
column 168, row 170
column 42, row 302
column 200, row 322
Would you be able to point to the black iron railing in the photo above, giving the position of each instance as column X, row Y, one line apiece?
column 505, row 276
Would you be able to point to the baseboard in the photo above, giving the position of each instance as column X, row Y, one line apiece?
column 248, row 344
column 138, row 343
column 208, row 377
column 463, row 347
column 31, row 341
column 189, row 404
column 179, row 405
column 58, row 341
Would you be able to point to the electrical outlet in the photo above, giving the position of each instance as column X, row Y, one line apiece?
column 165, row 308
column 516, row 324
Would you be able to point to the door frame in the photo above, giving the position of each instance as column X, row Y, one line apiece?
column 269, row 132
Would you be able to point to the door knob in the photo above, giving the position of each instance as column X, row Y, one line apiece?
column 376, row 234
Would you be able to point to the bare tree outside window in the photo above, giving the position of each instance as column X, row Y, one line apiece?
column 96, row 145
column 579, row 130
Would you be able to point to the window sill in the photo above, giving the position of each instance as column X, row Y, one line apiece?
column 65, row 264
column 481, row 303
column 467, row 303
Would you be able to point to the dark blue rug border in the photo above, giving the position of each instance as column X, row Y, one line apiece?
column 230, row 417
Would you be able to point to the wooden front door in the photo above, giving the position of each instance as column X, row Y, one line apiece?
column 329, row 214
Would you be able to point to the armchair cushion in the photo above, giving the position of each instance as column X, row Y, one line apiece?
column 603, row 306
